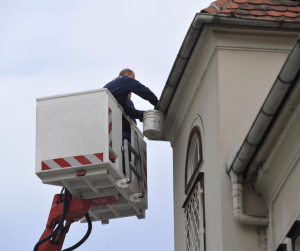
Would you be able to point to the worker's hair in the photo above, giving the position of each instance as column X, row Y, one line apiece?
column 125, row 71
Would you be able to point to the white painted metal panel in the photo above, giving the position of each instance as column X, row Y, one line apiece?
column 77, row 132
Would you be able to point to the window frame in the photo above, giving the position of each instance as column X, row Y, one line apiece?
column 282, row 247
column 187, row 183
column 294, row 233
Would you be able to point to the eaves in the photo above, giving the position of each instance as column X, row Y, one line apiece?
column 190, row 40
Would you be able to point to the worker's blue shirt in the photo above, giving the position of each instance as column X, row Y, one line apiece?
column 130, row 104
column 121, row 86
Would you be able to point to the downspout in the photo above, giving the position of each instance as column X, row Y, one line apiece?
column 258, row 129
column 238, row 209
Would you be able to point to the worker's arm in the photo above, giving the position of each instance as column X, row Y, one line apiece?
column 142, row 91
column 133, row 113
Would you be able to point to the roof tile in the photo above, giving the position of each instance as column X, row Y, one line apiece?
column 291, row 3
column 294, row 9
column 274, row 13
column 267, row 17
column 263, row 7
column 273, row 2
column 240, row 1
column 279, row 8
column 233, row 6
column 222, row 3
column 258, row 13
column 284, row 10
column 242, row 12
column 210, row 9
column 256, row 1
column 245, row 6
column 290, row 14
column 226, row 11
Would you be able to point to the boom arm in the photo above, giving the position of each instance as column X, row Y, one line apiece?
column 69, row 210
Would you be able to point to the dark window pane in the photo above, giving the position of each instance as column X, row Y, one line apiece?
column 297, row 244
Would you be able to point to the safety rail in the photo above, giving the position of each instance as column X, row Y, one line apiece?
column 136, row 169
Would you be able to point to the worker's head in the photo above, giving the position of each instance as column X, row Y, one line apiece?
column 129, row 95
column 128, row 73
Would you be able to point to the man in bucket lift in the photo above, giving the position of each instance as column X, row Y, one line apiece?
column 120, row 88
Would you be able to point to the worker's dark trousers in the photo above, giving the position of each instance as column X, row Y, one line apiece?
column 126, row 135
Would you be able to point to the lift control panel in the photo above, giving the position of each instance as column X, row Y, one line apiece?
column 79, row 146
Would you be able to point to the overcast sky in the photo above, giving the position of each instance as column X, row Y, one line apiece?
column 57, row 47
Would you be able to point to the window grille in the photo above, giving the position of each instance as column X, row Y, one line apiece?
column 194, row 220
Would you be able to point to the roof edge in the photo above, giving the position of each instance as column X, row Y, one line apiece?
column 191, row 38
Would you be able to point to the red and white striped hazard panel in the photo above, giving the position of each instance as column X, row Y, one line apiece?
column 80, row 160
column 110, row 127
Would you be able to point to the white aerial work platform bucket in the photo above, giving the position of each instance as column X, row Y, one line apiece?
column 153, row 122
column 79, row 146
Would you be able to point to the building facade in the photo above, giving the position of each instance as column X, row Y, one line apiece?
column 226, row 77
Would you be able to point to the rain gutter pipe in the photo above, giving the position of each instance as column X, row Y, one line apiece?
column 270, row 107
column 258, row 129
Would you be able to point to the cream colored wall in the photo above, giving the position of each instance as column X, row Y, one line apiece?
column 245, row 78
column 207, row 108
column 226, row 86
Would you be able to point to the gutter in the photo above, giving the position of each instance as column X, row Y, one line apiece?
column 270, row 108
column 190, row 40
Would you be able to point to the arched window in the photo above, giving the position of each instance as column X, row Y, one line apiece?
column 193, row 157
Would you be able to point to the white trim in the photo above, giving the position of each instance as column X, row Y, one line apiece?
column 197, row 121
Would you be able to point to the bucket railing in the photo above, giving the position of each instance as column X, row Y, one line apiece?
column 135, row 168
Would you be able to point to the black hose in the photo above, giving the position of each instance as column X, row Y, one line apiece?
column 62, row 190
column 60, row 224
column 86, row 235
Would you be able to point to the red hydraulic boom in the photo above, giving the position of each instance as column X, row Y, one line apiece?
column 68, row 210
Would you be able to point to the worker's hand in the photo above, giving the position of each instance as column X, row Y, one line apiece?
column 156, row 107
column 141, row 115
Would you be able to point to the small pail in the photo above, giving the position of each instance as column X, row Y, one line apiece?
column 153, row 122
